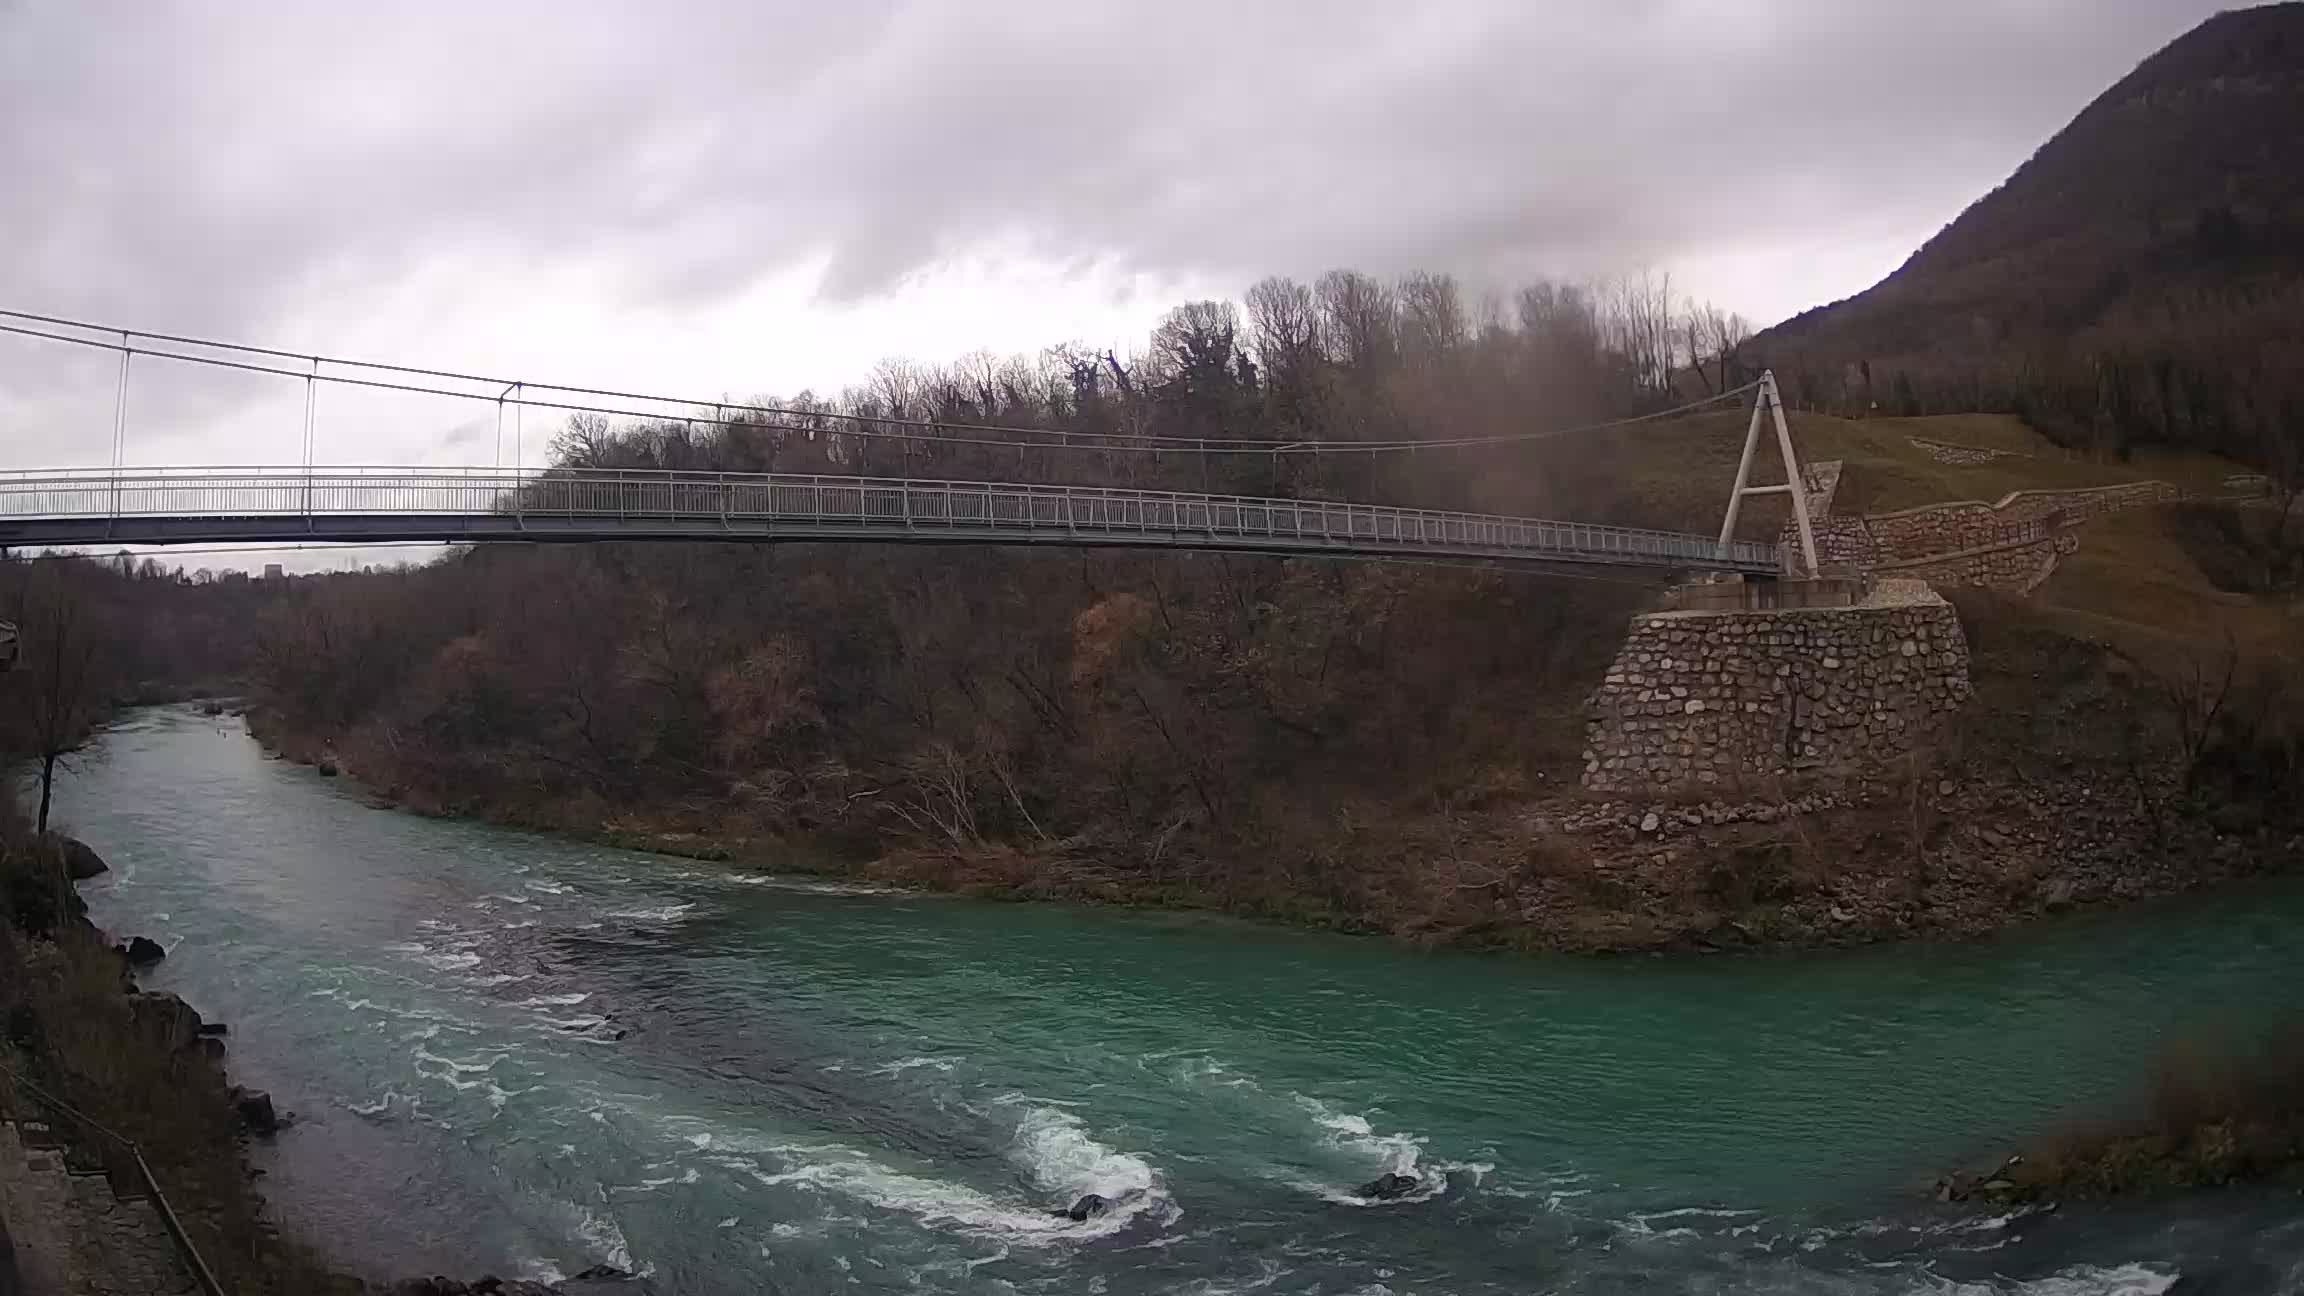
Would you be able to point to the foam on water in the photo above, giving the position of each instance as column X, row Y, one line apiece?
column 605, row 1239
column 943, row 1064
column 1686, row 1222
column 942, row 1202
column 1394, row 1153
column 806, row 887
column 655, row 913
column 1054, row 1147
column 445, row 961
column 1374, row 1154
column 2118, row 1280
column 390, row 1101
column 2078, row 1280
column 457, row 1065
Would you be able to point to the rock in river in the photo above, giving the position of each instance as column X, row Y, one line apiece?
column 143, row 951
column 1087, row 1208
column 1389, row 1187
column 81, row 862
column 255, row 1109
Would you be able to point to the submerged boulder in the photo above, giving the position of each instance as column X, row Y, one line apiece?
column 487, row 1286
column 1087, row 1208
column 1390, row 1187
column 602, row 1278
column 142, row 951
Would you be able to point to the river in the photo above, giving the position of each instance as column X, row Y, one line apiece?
column 509, row 1053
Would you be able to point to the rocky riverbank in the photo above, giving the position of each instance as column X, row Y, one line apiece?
column 1961, row 840
column 146, row 1065
column 2211, row 1119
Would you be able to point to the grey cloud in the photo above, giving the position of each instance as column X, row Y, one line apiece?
column 201, row 167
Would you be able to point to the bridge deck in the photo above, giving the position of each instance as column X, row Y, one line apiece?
column 214, row 505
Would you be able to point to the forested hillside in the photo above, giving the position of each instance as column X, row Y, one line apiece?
column 2139, row 280
column 1215, row 724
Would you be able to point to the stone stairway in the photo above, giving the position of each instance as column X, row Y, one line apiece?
column 73, row 1234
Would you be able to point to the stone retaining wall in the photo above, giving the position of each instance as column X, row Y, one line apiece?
column 1946, row 536
column 1963, row 456
column 1972, row 524
column 1695, row 699
column 1843, row 541
column 2018, row 567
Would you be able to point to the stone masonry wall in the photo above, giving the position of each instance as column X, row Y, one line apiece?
column 1970, row 524
column 1943, row 541
column 2016, row 568
column 1841, row 541
column 1696, row 699
column 1964, row 456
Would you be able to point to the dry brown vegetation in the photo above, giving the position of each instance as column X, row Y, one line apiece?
column 2212, row 1116
column 1241, row 729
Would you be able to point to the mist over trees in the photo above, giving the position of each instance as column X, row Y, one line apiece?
column 1347, row 358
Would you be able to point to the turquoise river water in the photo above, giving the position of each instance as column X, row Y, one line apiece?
column 509, row 1053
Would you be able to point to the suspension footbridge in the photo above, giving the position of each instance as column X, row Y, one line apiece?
column 372, row 505
column 308, row 504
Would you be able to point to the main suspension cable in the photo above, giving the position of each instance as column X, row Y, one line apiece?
column 867, row 425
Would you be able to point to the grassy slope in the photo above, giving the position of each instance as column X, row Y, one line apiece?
column 1677, row 474
column 2132, row 584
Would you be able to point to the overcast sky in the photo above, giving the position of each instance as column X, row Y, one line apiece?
column 751, row 196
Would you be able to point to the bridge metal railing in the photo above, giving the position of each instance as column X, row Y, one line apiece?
column 754, row 503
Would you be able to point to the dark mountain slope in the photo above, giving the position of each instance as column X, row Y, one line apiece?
column 2137, row 280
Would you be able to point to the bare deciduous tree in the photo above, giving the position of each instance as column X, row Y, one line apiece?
column 59, row 680
column 1638, row 320
column 1359, row 321
column 1284, row 327
column 1433, row 322
column 1715, row 339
